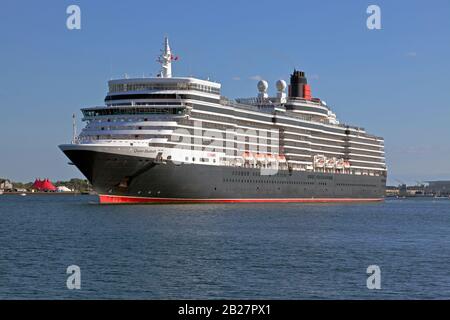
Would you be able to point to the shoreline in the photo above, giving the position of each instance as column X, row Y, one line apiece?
column 74, row 193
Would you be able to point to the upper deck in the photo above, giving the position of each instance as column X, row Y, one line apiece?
column 120, row 86
column 170, row 97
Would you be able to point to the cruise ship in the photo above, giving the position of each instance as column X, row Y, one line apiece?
column 169, row 139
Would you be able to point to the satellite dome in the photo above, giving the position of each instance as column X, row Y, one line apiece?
column 262, row 86
column 281, row 85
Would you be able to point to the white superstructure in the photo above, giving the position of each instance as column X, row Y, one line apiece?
column 187, row 120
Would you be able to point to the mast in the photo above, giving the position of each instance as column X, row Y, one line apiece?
column 165, row 59
column 74, row 129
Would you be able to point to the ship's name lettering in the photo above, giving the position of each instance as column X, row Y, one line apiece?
column 143, row 151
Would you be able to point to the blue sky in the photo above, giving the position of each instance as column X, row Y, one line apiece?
column 394, row 82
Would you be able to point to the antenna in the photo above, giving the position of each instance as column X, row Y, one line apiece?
column 74, row 129
column 165, row 59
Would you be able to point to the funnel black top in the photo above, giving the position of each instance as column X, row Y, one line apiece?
column 298, row 79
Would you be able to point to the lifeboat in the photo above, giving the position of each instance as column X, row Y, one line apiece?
column 330, row 163
column 319, row 161
column 340, row 164
column 247, row 155
column 269, row 157
column 260, row 157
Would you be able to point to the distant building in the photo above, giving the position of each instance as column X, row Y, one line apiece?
column 439, row 188
column 63, row 189
column 403, row 190
column 391, row 191
column 5, row 184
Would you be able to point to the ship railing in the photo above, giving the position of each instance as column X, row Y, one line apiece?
column 363, row 133
column 262, row 107
column 306, row 101
column 159, row 104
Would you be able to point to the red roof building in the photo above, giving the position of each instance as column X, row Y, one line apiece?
column 43, row 185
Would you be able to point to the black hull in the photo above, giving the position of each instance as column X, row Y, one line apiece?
column 124, row 178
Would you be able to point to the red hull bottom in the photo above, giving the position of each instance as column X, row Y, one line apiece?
column 107, row 199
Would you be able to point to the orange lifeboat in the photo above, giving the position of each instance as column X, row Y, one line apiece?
column 330, row 163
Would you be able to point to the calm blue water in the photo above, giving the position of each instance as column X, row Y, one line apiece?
column 279, row 251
